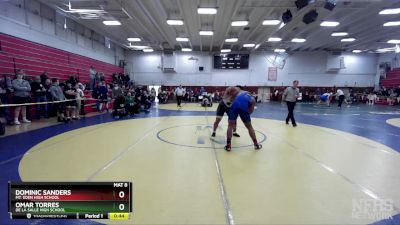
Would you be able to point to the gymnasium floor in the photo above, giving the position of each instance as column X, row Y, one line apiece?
column 310, row 174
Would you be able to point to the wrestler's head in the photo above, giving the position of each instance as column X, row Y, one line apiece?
column 231, row 92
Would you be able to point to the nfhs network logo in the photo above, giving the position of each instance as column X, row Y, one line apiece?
column 373, row 209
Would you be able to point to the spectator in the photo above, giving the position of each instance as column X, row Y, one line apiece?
column 101, row 77
column 162, row 97
column 117, row 91
column 202, row 90
column 385, row 92
column 97, row 78
column 39, row 93
column 153, row 94
column 47, row 85
column 79, row 99
column 115, row 78
column 276, row 95
column 43, row 77
column 255, row 96
column 5, row 90
column 119, row 107
column 21, row 96
column 73, row 80
column 70, row 94
column 92, row 74
column 125, row 79
column 397, row 91
column 159, row 90
column 306, row 96
column 58, row 95
column 371, row 98
column 103, row 96
column 131, row 107
column 145, row 101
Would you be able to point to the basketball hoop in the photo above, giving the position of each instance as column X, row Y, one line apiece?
column 278, row 60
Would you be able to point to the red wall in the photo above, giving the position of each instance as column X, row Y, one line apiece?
column 35, row 58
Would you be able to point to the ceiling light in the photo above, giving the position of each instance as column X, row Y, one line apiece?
column 274, row 39
column 175, row 22
column 339, row 34
column 148, row 50
column 397, row 49
column 206, row 33
column 329, row 24
column 88, row 16
column 138, row 47
column 270, row 22
column 357, row 51
column 231, row 40
column 381, row 50
column 257, row 46
column 134, row 39
column 209, row 11
column 83, row 10
column 298, row 40
column 112, row 22
column 182, row 39
column 279, row 50
column 186, row 49
column 393, row 42
column 225, row 50
column 391, row 23
column 239, row 23
column 390, row 11
column 348, row 40
column 249, row 45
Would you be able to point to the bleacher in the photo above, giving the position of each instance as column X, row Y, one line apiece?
column 34, row 59
column 392, row 79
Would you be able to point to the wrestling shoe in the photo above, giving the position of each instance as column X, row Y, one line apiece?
column 236, row 134
column 257, row 146
column 228, row 148
column 213, row 134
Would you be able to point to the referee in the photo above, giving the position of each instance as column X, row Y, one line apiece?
column 290, row 95
column 179, row 93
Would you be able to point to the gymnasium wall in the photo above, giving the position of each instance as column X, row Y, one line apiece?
column 308, row 67
column 27, row 25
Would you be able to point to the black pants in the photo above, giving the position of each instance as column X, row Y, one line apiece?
column 82, row 112
column 290, row 116
column 179, row 99
column 341, row 99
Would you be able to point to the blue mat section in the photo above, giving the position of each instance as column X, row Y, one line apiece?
column 360, row 120
column 394, row 221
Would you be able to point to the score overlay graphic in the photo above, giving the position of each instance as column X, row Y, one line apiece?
column 70, row 200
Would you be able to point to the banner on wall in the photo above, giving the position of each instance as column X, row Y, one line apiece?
column 272, row 73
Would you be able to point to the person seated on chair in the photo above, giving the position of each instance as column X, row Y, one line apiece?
column 119, row 107
column 130, row 105
column 145, row 101
column 206, row 102
column 162, row 97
